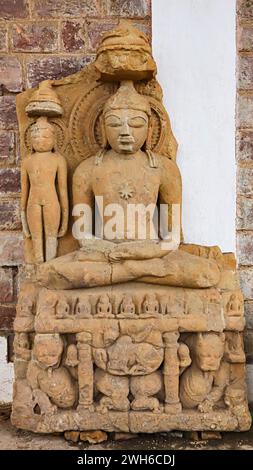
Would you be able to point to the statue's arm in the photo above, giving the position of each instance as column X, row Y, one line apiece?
column 83, row 201
column 170, row 195
column 63, row 195
column 25, row 186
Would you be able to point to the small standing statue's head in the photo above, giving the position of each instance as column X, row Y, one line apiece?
column 42, row 135
column 126, row 119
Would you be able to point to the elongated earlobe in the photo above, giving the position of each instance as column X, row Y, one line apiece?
column 104, row 140
column 149, row 136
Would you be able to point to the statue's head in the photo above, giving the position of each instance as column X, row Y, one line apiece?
column 48, row 349
column 209, row 350
column 42, row 135
column 126, row 119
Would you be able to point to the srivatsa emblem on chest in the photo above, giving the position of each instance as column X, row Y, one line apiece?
column 126, row 190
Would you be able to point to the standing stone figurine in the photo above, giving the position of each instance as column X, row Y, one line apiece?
column 44, row 201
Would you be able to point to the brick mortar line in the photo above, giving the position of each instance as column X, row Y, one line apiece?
column 81, row 17
column 244, row 23
column 245, row 92
column 48, row 19
column 239, row 230
column 242, row 164
column 243, row 53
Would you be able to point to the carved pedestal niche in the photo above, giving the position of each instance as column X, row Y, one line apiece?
column 117, row 335
column 129, row 358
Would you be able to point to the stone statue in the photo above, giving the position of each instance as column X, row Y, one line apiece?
column 152, row 178
column 47, row 374
column 204, row 382
column 120, row 326
column 44, row 206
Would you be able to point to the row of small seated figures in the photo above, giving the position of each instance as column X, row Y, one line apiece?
column 148, row 308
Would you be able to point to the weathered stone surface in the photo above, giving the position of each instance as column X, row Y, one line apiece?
column 244, row 111
column 245, row 72
column 245, row 39
column 7, row 147
column 245, row 181
column 10, row 73
column 249, row 377
column 7, row 315
column 244, row 147
column 246, row 278
column 93, row 437
column 245, row 8
column 245, row 248
column 244, row 213
column 249, row 314
column 3, row 37
column 72, row 436
column 128, row 8
column 53, row 67
column 6, row 285
column 248, row 341
column 61, row 8
column 12, row 9
column 95, row 30
column 9, row 180
column 10, row 214
column 35, row 37
column 73, row 36
column 11, row 249
column 8, row 117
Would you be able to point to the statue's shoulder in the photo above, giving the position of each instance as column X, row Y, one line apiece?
column 60, row 158
column 166, row 164
column 85, row 166
column 26, row 160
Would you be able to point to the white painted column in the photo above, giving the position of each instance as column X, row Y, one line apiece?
column 6, row 373
column 195, row 50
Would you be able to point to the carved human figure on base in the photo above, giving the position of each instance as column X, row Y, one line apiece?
column 202, row 385
column 44, row 200
column 48, row 375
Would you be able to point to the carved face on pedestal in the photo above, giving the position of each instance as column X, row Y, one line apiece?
column 48, row 349
column 42, row 136
column 126, row 119
column 209, row 351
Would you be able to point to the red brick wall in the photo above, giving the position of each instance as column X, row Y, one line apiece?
column 41, row 39
column 244, row 158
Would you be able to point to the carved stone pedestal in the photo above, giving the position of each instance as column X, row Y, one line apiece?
column 121, row 359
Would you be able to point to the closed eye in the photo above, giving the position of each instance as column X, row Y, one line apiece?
column 113, row 121
column 137, row 122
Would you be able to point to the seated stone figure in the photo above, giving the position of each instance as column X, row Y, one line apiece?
column 126, row 174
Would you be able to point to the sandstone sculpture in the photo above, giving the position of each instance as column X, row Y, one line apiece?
column 116, row 331
column 43, row 205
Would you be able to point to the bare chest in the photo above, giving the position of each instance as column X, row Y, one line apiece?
column 135, row 184
column 42, row 169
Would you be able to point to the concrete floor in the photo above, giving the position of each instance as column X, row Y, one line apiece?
column 16, row 439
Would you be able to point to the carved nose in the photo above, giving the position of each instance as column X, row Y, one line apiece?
column 125, row 129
